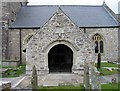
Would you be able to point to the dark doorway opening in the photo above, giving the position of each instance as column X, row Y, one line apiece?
column 60, row 59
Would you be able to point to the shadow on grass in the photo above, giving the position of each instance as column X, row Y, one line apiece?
column 62, row 88
column 112, row 86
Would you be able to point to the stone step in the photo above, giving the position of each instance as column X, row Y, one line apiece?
column 61, row 79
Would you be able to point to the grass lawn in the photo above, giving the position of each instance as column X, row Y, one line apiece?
column 110, row 86
column 7, row 67
column 106, row 64
column 14, row 71
column 104, row 87
column 104, row 71
column 62, row 88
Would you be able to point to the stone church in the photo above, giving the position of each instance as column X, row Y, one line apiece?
column 58, row 38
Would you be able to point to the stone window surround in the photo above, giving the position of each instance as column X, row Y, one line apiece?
column 104, row 41
column 98, row 39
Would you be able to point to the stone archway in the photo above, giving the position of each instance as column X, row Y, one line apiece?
column 60, row 59
column 72, row 47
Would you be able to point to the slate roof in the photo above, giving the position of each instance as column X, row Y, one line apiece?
column 82, row 16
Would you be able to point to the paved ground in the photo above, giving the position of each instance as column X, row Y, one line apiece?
column 61, row 79
column 108, row 79
column 24, row 82
column 14, row 81
column 49, row 80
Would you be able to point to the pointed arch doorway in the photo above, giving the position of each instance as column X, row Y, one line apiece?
column 60, row 59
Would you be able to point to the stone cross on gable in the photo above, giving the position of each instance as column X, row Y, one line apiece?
column 60, row 31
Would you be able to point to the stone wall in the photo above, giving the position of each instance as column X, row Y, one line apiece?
column 14, row 43
column 58, row 30
column 26, row 35
column 9, row 12
column 110, row 38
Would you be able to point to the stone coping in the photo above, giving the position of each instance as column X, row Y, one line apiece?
column 10, row 60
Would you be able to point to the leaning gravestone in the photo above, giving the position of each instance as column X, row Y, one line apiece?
column 34, row 81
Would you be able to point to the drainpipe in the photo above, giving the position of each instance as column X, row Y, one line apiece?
column 7, row 30
column 84, row 30
column 20, row 49
column 24, row 4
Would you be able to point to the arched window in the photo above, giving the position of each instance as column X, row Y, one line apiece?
column 99, row 45
column 96, row 46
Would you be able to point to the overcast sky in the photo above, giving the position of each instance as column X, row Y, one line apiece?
column 113, row 4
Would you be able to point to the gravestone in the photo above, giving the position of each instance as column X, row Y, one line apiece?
column 95, row 79
column 5, row 86
column 91, row 73
column 86, row 77
column 34, row 80
column 114, row 80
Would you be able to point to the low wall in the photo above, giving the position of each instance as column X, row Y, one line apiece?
column 10, row 63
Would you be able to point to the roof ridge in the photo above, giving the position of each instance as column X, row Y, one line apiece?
column 84, row 5
column 41, row 5
column 81, row 15
column 65, row 5
column 111, row 15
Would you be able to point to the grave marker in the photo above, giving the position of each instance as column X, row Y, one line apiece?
column 34, row 80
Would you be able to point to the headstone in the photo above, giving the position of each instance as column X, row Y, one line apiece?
column 114, row 80
column 91, row 73
column 6, row 86
column 95, row 79
column 34, row 80
column 86, row 77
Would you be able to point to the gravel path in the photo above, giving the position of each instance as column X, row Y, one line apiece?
column 25, row 84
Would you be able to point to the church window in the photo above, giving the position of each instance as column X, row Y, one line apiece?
column 96, row 46
column 99, row 45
